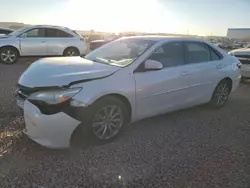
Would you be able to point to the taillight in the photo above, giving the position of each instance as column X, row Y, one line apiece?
column 239, row 65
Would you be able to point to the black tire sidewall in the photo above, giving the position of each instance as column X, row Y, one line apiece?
column 13, row 50
column 213, row 103
column 87, row 129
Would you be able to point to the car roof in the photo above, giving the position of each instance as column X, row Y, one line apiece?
column 158, row 38
column 6, row 29
column 45, row 26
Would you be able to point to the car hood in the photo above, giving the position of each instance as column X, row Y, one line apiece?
column 241, row 51
column 62, row 71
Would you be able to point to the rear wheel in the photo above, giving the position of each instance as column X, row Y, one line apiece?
column 221, row 94
column 71, row 52
column 8, row 55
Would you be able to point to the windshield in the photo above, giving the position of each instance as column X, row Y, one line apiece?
column 16, row 32
column 121, row 52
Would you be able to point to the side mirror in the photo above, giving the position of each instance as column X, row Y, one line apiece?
column 153, row 65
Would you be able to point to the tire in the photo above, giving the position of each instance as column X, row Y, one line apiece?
column 71, row 51
column 8, row 55
column 221, row 94
column 100, row 126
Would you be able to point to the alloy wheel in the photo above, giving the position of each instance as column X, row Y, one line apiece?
column 221, row 94
column 71, row 53
column 107, row 122
column 8, row 56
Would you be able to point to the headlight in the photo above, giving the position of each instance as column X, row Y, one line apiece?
column 231, row 53
column 54, row 96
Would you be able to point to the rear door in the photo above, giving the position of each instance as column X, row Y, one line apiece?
column 57, row 41
column 202, row 70
column 33, row 42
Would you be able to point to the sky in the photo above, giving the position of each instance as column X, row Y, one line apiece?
column 199, row 17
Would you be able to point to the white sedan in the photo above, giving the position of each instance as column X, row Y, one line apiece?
column 122, row 82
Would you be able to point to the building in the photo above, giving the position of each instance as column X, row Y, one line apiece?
column 238, row 33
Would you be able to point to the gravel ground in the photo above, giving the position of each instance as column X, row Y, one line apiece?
column 197, row 147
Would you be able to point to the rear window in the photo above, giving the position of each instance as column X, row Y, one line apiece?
column 57, row 33
column 197, row 52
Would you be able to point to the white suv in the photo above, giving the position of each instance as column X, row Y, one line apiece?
column 121, row 82
column 40, row 41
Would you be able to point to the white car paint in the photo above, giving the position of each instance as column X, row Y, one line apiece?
column 243, row 54
column 149, row 93
column 43, row 46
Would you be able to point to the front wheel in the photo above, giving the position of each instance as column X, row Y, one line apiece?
column 8, row 55
column 221, row 94
column 106, row 119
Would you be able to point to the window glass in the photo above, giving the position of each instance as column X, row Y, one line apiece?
column 197, row 52
column 35, row 33
column 214, row 56
column 170, row 54
column 57, row 33
column 61, row 33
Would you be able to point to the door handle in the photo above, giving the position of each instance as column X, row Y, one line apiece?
column 220, row 66
column 185, row 73
column 43, row 41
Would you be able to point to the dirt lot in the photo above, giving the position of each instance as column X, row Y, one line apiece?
column 197, row 147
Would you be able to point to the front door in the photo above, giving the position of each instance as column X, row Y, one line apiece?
column 162, row 90
column 33, row 42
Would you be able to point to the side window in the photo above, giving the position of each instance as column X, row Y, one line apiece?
column 169, row 54
column 39, row 32
column 197, row 52
column 214, row 55
column 61, row 33
column 57, row 33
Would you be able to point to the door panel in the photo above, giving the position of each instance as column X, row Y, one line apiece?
column 57, row 41
column 202, row 66
column 56, row 46
column 201, row 79
column 33, row 46
column 33, row 42
column 160, row 91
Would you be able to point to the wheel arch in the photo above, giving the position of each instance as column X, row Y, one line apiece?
column 229, row 80
column 11, row 46
column 122, row 98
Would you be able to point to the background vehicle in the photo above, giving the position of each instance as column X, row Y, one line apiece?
column 120, row 82
column 5, row 31
column 97, row 43
column 41, row 41
column 243, row 54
